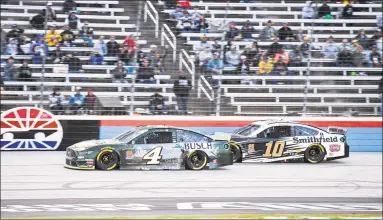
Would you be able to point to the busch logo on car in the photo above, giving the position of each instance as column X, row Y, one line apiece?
column 198, row 146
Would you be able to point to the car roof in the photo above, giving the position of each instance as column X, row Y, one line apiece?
column 271, row 122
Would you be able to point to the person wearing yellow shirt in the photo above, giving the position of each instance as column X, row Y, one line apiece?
column 53, row 37
column 270, row 65
column 262, row 66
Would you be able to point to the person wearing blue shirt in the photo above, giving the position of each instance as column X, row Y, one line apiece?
column 215, row 65
column 76, row 102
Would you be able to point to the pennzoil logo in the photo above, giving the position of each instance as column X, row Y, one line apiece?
column 29, row 128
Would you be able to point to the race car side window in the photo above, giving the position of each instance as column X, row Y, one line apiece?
column 276, row 132
column 305, row 131
column 188, row 136
column 163, row 137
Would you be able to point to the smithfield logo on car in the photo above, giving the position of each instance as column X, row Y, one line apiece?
column 198, row 146
column 334, row 147
column 30, row 128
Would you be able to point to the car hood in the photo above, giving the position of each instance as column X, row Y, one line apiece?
column 94, row 143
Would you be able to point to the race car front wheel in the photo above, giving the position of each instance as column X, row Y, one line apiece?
column 315, row 154
column 107, row 159
column 237, row 153
column 196, row 160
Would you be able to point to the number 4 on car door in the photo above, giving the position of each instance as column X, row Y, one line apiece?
column 274, row 149
column 154, row 156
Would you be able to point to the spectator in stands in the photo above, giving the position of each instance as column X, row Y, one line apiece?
column 38, row 53
column 282, row 55
column 96, row 58
column 243, row 68
column 344, row 45
column 113, row 47
column 74, row 63
column 153, row 53
column 73, row 21
column 268, row 32
column 24, row 72
column 185, row 23
column 295, row 57
column 324, row 10
column 77, row 101
column 56, row 101
column 158, row 65
column 232, row 57
column 181, row 89
column 38, row 20
column 100, row 46
column 203, row 25
column 348, row 10
column 233, row 33
column 247, row 31
column 119, row 73
column 216, row 47
column 379, row 21
column 12, row 48
column 157, row 103
column 90, row 101
column 374, row 38
column 358, row 57
column 215, row 65
column 9, row 70
column 262, row 65
column 53, row 37
column 252, row 54
column 130, row 41
column 308, row 11
column 274, row 47
column 355, row 45
column 280, row 68
column 305, row 47
column 204, row 57
column 51, row 13
column 345, row 58
column 300, row 35
column 362, row 39
column 67, row 35
column 331, row 50
column 285, row 33
column 126, row 55
column 15, row 33
column 177, row 14
column 145, row 73
column 375, row 58
column 69, row 5
column 204, row 43
column 86, row 34
column 379, row 45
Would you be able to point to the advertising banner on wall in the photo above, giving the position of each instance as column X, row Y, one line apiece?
column 35, row 129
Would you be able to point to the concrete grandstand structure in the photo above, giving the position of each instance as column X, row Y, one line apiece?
column 318, row 86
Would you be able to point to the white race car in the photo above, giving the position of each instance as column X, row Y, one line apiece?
column 272, row 141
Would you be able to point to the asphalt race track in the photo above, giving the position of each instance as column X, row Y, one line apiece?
column 35, row 184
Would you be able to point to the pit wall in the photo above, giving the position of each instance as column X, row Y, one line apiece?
column 363, row 134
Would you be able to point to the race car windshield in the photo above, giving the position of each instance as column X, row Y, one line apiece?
column 248, row 130
column 126, row 136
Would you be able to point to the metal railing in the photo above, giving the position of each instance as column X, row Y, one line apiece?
column 187, row 61
column 153, row 14
column 165, row 33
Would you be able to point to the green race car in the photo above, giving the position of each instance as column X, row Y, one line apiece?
column 151, row 147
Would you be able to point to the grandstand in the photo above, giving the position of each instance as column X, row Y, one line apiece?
column 309, row 77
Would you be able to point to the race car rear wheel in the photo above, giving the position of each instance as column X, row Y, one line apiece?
column 237, row 153
column 196, row 160
column 315, row 154
column 107, row 159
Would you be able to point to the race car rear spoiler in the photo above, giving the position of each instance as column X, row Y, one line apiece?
column 337, row 130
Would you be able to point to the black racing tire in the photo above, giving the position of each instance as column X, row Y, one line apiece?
column 196, row 160
column 107, row 159
column 237, row 152
column 315, row 154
